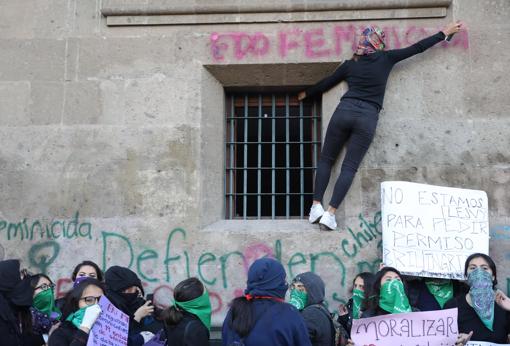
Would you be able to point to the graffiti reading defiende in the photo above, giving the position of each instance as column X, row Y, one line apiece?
column 161, row 268
column 319, row 42
column 431, row 230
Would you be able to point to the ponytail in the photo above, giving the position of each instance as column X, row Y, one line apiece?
column 241, row 319
column 171, row 316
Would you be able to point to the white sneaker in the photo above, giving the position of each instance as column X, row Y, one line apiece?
column 329, row 221
column 316, row 212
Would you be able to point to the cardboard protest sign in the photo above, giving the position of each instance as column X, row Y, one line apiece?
column 111, row 328
column 430, row 230
column 484, row 343
column 430, row 328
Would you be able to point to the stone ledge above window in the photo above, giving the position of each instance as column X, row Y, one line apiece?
column 271, row 226
column 161, row 12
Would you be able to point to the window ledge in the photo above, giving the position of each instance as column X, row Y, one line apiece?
column 138, row 12
column 257, row 226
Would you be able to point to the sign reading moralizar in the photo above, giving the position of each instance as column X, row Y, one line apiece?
column 430, row 328
column 430, row 230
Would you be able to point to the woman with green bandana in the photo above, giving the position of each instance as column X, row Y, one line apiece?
column 479, row 317
column 430, row 294
column 188, row 320
column 79, row 314
column 361, row 286
column 307, row 293
column 389, row 294
column 45, row 314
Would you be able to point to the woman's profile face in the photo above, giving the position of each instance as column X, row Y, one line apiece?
column 388, row 276
column 42, row 285
column 479, row 263
column 359, row 284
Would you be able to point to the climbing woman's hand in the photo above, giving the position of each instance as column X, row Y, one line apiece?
column 452, row 28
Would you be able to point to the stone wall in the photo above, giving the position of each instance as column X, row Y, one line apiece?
column 112, row 137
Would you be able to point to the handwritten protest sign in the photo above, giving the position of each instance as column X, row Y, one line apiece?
column 111, row 328
column 430, row 230
column 484, row 343
column 437, row 328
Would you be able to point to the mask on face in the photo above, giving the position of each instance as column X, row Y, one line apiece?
column 133, row 301
column 22, row 294
column 357, row 299
column 45, row 302
column 393, row 297
column 76, row 318
column 298, row 299
column 482, row 295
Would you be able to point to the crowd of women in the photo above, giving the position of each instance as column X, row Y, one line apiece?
column 30, row 314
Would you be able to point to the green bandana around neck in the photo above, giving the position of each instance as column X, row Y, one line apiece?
column 298, row 299
column 77, row 317
column 393, row 297
column 200, row 307
column 357, row 299
column 482, row 296
column 45, row 302
column 442, row 290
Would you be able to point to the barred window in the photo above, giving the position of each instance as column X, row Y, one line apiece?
column 272, row 146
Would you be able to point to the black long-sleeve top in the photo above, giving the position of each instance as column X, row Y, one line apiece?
column 68, row 335
column 368, row 76
column 469, row 321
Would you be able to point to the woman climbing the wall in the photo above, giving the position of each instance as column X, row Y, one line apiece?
column 355, row 118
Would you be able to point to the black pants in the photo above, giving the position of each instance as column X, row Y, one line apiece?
column 354, row 121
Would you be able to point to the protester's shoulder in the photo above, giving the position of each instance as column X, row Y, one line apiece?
column 284, row 310
column 315, row 311
column 63, row 333
column 455, row 302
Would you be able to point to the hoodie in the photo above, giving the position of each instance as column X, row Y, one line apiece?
column 317, row 319
column 276, row 323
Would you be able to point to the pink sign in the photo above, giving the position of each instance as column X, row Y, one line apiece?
column 111, row 328
column 430, row 328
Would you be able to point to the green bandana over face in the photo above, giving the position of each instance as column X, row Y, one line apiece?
column 482, row 295
column 298, row 299
column 200, row 307
column 357, row 299
column 45, row 302
column 393, row 297
column 442, row 290
column 77, row 317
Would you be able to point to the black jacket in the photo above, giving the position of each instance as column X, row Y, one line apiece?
column 68, row 335
column 189, row 332
column 346, row 320
column 317, row 318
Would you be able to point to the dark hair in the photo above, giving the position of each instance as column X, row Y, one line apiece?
column 372, row 298
column 87, row 263
column 368, row 280
column 241, row 316
column 186, row 290
column 73, row 297
column 487, row 259
column 34, row 279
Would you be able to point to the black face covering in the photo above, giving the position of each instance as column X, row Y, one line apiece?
column 117, row 280
column 22, row 294
column 17, row 291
